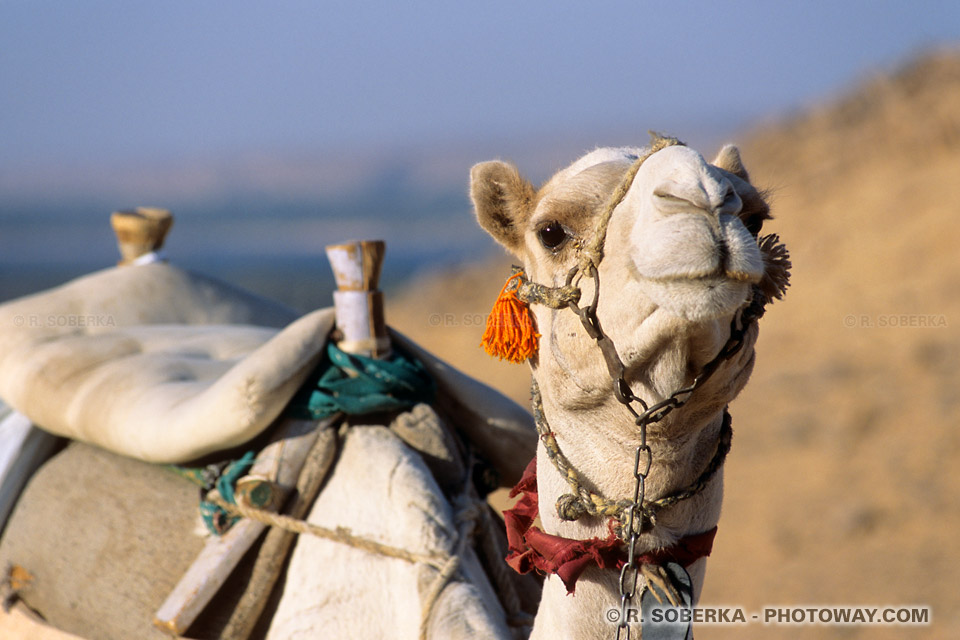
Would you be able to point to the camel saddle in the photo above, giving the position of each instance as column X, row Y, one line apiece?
column 131, row 395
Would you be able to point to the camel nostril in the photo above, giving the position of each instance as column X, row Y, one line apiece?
column 732, row 204
column 669, row 203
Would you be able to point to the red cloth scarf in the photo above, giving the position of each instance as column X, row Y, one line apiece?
column 532, row 549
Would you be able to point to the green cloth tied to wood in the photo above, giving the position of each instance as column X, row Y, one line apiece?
column 358, row 385
column 214, row 517
column 343, row 382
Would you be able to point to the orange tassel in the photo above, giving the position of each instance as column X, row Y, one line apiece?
column 511, row 331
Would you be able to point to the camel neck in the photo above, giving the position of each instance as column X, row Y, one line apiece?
column 607, row 467
column 576, row 448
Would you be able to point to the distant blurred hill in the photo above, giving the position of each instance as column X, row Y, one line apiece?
column 840, row 488
column 259, row 222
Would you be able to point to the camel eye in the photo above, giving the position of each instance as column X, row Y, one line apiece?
column 552, row 235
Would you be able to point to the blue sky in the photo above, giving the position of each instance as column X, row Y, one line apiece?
column 128, row 82
column 273, row 128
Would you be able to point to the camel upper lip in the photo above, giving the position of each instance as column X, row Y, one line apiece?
column 693, row 247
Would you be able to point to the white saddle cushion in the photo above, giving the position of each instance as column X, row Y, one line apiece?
column 161, row 393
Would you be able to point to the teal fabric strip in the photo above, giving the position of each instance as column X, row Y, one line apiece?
column 214, row 517
column 343, row 382
column 358, row 385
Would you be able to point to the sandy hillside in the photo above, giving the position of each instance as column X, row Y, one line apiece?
column 842, row 485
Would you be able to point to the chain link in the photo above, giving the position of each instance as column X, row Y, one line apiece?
column 628, row 588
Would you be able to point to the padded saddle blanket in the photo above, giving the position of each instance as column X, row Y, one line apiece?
column 115, row 377
column 177, row 391
column 102, row 303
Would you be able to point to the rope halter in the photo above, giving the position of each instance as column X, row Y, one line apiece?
column 638, row 515
column 590, row 254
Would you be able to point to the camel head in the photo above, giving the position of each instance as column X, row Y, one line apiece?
column 680, row 257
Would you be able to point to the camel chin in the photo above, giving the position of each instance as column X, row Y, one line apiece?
column 696, row 267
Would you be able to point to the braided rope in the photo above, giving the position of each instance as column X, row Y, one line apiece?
column 592, row 253
column 553, row 297
column 339, row 534
column 469, row 513
column 723, row 448
column 572, row 506
column 467, row 516
column 582, row 501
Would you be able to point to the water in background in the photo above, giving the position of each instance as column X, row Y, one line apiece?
column 261, row 220
column 302, row 282
column 268, row 245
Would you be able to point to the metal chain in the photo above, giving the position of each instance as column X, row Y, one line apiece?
column 583, row 501
column 630, row 571
column 660, row 410
column 636, row 513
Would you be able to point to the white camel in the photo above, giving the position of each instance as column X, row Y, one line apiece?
column 678, row 262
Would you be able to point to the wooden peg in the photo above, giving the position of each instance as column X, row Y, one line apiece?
column 358, row 304
column 140, row 233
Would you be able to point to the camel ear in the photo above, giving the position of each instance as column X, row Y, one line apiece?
column 755, row 208
column 502, row 201
column 729, row 160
